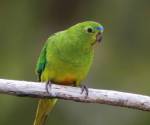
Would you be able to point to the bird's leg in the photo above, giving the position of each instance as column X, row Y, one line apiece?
column 84, row 88
column 48, row 86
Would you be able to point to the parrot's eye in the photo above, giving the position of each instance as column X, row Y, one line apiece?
column 89, row 30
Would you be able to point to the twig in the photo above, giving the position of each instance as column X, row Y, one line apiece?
column 35, row 89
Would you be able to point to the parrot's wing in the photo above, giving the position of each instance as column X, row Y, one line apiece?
column 41, row 62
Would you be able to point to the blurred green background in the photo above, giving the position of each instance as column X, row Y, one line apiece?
column 122, row 62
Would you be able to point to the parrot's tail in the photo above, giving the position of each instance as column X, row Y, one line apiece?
column 44, row 107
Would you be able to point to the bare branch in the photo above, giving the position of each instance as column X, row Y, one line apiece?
column 35, row 89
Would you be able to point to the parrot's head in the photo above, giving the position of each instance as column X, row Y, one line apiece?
column 88, row 32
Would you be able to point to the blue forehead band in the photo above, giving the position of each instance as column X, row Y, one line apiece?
column 100, row 28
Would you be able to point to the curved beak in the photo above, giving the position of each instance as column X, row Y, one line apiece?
column 99, row 34
column 99, row 37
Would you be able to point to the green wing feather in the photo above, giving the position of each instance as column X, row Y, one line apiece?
column 40, row 66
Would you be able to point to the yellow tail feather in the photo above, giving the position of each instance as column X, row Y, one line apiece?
column 44, row 107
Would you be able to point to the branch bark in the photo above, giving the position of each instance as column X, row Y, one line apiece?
column 109, row 97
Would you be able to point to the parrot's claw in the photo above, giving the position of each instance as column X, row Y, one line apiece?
column 84, row 88
column 48, row 86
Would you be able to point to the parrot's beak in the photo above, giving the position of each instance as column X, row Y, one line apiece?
column 99, row 34
column 99, row 37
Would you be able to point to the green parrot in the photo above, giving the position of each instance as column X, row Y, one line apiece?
column 65, row 59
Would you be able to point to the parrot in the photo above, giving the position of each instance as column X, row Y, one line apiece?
column 65, row 59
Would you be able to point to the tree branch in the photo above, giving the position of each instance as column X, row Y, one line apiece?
column 37, row 90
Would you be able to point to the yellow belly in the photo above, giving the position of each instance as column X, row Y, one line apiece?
column 68, row 79
column 71, row 78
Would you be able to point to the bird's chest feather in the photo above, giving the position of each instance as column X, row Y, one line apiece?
column 66, row 64
column 66, row 72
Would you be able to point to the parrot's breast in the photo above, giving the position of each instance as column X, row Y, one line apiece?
column 65, row 73
column 66, row 64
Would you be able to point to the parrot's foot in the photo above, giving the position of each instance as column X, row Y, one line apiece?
column 48, row 86
column 84, row 88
